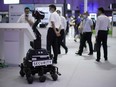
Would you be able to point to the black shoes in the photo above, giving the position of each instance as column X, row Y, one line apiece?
column 106, row 59
column 75, row 40
column 59, row 52
column 79, row 54
column 66, row 50
column 97, row 60
column 90, row 54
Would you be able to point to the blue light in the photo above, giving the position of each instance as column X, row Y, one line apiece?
column 92, row 7
column 81, row 8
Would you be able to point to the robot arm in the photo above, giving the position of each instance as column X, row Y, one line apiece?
column 38, row 15
column 35, row 30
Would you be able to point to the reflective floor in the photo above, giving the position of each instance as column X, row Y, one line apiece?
column 77, row 71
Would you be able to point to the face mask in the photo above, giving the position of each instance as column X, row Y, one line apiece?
column 84, row 16
column 51, row 11
column 26, row 15
column 81, row 18
column 78, row 16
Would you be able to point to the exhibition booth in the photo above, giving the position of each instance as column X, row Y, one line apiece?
column 15, row 37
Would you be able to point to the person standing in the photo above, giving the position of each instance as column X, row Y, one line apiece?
column 80, row 28
column 71, row 28
column 102, row 26
column 86, row 34
column 53, row 32
column 61, row 39
column 26, row 17
column 77, row 23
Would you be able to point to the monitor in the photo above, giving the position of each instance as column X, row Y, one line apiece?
column 11, row 1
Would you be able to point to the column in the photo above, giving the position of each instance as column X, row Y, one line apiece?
column 85, row 5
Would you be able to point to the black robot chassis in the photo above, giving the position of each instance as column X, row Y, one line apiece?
column 40, row 64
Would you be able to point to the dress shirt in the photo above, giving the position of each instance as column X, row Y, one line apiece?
column 54, row 17
column 63, row 23
column 102, row 23
column 22, row 18
column 87, row 23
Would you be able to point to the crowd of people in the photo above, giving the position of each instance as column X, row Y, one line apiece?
column 58, row 28
column 83, row 27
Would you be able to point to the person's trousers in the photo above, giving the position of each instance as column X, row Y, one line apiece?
column 61, row 41
column 82, row 39
column 52, row 42
column 86, row 36
column 102, row 40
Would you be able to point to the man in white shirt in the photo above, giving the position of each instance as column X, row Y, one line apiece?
column 61, row 39
column 86, row 34
column 53, row 32
column 102, row 26
column 26, row 17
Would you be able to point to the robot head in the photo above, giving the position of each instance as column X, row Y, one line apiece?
column 38, row 14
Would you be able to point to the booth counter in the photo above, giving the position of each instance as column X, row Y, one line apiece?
column 15, row 41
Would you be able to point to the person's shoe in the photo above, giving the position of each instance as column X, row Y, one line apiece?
column 79, row 54
column 94, row 50
column 106, row 59
column 66, row 51
column 97, row 60
column 90, row 54
column 59, row 52
column 75, row 40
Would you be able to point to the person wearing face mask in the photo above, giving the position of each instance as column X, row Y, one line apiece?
column 77, row 23
column 80, row 28
column 53, row 32
column 102, row 26
column 87, row 25
column 61, row 39
column 26, row 17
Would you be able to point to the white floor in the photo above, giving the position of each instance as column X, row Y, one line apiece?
column 77, row 71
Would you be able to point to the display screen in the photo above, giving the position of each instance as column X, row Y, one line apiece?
column 114, row 18
column 93, row 15
column 11, row 1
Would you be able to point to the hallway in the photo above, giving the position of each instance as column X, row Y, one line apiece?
column 77, row 71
